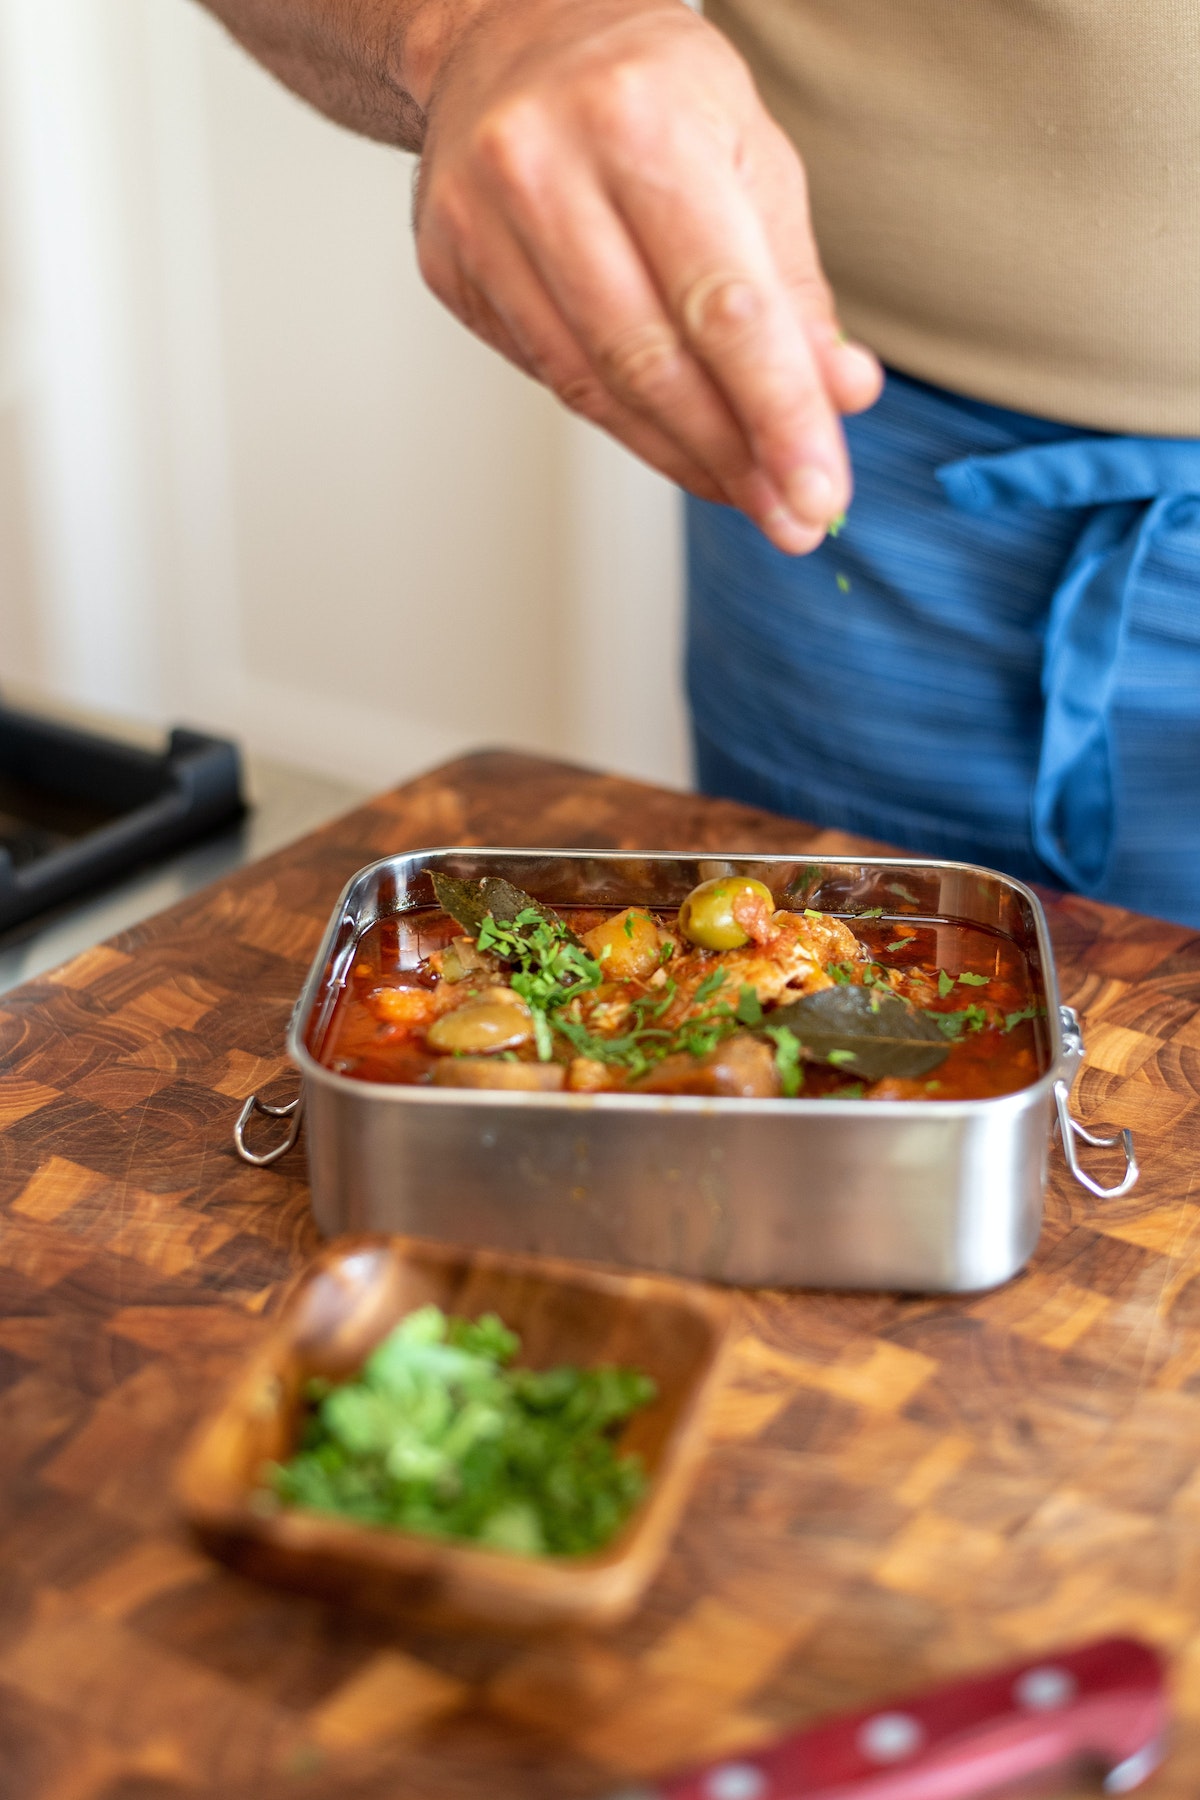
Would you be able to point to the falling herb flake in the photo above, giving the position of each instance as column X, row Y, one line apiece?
column 843, row 582
column 838, row 525
column 901, row 892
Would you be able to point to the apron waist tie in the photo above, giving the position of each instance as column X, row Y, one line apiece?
column 1131, row 484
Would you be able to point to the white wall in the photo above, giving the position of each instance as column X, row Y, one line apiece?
column 250, row 474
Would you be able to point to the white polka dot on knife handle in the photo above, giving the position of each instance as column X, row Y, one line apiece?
column 890, row 1737
column 1045, row 1689
column 736, row 1781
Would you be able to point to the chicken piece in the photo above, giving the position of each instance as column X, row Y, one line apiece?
column 792, row 962
column 585, row 1075
column 832, row 939
column 418, row 1007
column 742, row 1067
column 606, row 1008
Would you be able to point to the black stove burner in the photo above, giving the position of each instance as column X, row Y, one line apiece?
column 77, row 808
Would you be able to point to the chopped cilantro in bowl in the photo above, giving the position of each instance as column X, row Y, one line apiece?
column 440, row 1433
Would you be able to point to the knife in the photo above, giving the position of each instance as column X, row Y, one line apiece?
column 1102, row 1708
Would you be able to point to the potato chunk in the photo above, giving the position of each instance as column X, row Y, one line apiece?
column 627, row 946
column 487, row 1072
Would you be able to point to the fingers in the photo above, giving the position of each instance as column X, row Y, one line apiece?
column 741, row 320
column 776, row 186
column 540, row 346
column 612, row 209
column 582, row 257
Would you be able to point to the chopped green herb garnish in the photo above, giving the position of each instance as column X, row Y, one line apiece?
column 901, row 892
column 709, row 985
column 637, row 1049
column 945, row 984
column 1013, row 1019
column 855, row 1091
column 840, row 972
column 840, row 1058
column 787, row 1060
column 550, row 966
column 749, row 1007
column 439, row 1433
column 629, row 926
column 953, row 1024
column 870, row 912
column 669, row 990
column 969, row 980
column 897, row 944
column 543, row 1037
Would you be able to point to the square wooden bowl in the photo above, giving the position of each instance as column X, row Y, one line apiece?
column 344, row 1304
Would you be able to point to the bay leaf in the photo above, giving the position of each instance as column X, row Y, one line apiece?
column 470, row 902
column 865, row 1032
column 463, row 900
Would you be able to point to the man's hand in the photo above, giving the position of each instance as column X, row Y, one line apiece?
column 604, row 199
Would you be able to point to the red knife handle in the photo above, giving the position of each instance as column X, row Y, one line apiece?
column 1104, row 1705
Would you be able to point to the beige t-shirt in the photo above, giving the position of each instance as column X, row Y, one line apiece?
column 1006, row 193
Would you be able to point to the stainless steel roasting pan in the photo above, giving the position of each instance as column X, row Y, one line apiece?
column 925, row 1196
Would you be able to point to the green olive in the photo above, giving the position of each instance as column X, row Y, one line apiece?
column 497, row 1020
column 706, row 916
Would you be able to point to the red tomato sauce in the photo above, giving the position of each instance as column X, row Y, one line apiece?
column 1001, row 1044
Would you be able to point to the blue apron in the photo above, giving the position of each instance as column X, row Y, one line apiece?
column 998, row 659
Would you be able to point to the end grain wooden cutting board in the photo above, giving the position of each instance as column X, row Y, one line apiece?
column 898, row 1489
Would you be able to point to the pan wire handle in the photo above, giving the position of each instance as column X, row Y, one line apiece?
column 262, row 1159
column 1072, row 1130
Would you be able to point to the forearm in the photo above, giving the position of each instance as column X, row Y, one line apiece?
column 369, row 64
